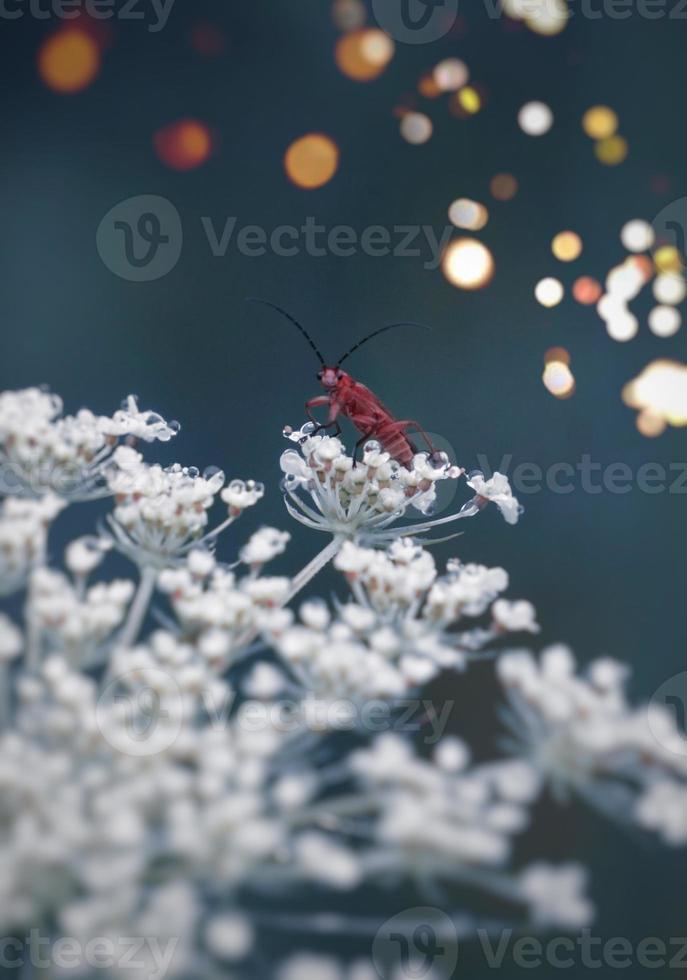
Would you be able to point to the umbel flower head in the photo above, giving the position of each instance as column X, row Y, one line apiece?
column 403, row 624
column 329, row 491
column 441, row 820
column 161, row 513
column 217, row 610
column 73, row 620
column 166, row 776
column 23, row 535
column 42, row 451
column 581, row 736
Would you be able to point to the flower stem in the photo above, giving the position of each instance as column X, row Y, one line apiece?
column 139, row 607
column 305, row 575
column 5, row 697
column 313, row 567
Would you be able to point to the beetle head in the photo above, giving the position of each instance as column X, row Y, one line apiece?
column 330, row 377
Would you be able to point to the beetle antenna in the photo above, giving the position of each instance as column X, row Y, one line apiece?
column 375, row 333
column 266, row 302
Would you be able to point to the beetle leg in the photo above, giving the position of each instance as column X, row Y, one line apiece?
column 331, row 419
column 407, row 424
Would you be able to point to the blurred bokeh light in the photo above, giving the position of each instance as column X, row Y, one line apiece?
column 312, row 160
column 69, row 60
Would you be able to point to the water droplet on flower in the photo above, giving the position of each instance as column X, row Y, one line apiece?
column 237, row 486
column 373, row 446
column 193, row 472
column 153, row 418
column 475, row 473
column 439, row 459
column 174, row 425
column 211, row 471
column 308, row 428
column 287, row 431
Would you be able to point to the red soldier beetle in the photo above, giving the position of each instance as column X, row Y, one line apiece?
column 348, row 397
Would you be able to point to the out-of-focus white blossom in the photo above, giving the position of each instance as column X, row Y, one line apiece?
column 42, row 451
column 85, row 554
column 229, row 936
column 323, row 859
column 312, row 966
column 335, row 663
column 582, row 736
column 436, row 819
column 265, row 545
column 556, row 895
column 316, row 966
column 216, row 609
column 496, row 490
column 663, row 808
column 84, row 824
column 72, row 622
column 23, row 534
column 515, row 617
column 11, row 640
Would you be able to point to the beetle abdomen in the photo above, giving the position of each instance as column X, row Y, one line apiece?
column 395, row 442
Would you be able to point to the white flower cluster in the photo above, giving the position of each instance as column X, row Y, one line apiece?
column 11, row 641
column 42, row 451
column 329, row 491
column 75, row 621
column 581, row 736
column 442, row 816
column 217, row 611
column 156, row 775
column 84, row 824
column 23, row 534
column 441, row 820
column 402, row 626
column 160, row 514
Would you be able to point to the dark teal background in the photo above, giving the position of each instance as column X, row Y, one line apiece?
column 606, row 571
